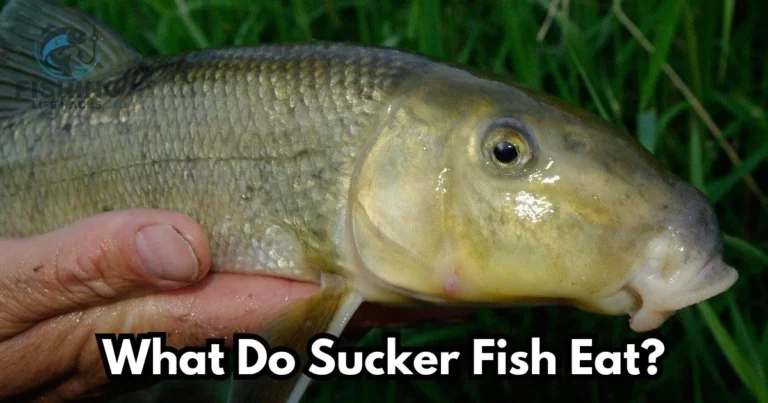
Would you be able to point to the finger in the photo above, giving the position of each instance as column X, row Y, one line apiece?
column 215, row 307
column 95, row 261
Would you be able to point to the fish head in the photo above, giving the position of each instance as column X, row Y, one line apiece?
column 481, row 192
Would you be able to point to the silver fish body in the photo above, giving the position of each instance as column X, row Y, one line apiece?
column 258, row 145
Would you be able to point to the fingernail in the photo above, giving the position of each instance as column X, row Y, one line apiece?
column 166, row 254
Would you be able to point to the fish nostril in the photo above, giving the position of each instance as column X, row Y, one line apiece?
column 707, row 219
column 691, row 216
column 710, row 219
column 707, row 225
column 695, row 213
column 703, row 228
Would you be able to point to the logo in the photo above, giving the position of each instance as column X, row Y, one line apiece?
column 67, row 53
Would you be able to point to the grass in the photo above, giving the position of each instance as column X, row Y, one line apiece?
column 689, row 78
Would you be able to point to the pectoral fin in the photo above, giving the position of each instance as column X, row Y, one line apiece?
column 328, row 311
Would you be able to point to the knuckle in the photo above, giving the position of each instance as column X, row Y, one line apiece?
column 84, row 274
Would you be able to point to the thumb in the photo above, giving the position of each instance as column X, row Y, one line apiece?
column 111, row 256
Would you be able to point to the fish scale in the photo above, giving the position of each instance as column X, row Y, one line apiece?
column 285, row 132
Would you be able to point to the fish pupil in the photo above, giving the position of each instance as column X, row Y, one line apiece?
column 505, row 152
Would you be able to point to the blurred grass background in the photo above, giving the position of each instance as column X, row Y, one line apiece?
column 688, row 77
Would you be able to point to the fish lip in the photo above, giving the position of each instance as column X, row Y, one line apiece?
column 656, row 299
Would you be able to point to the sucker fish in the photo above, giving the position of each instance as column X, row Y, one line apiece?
column 382, row 175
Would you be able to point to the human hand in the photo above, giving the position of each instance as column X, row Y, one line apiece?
column 132, row 271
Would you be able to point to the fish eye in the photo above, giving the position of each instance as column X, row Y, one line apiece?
column 505, row 152
column 508, row 143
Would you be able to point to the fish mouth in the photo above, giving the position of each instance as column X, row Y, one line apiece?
column 656, row 300
column 663, row 283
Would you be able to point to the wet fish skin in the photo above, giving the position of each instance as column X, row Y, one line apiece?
column 257, row 144
column 587, row 218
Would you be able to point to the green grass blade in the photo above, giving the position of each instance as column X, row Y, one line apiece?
column 466, row 50
column 192, row 28
column 429, row 23
column 746, row 249
column 746, row 339
column 716, row 190
column 696, row 344
column 579, row 57
column 669, row 14
column 520, row 37
column 735, row 357
column 670, row 113
column 696, row 167
column 362, row 22
column 743, row 108
column 647, row 130
column 695, row 373
column 301, row 13
column 725, row 38
column 693, row 52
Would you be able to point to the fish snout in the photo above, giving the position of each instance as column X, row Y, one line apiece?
column 680, row 267
column 698, row 220
column 691, row 229
column 704, row 227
